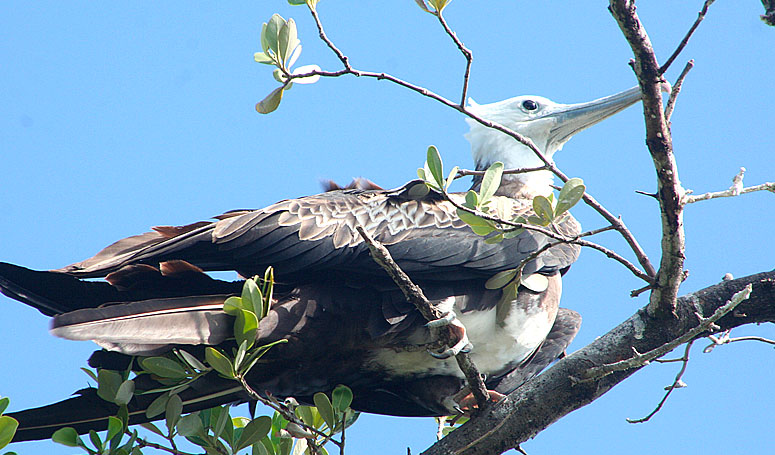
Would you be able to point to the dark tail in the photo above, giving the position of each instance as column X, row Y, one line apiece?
column 87, row 411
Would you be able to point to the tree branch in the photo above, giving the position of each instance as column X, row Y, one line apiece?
column 685, row 40
column 414, row 294
column 551, row 395
column 660, row 145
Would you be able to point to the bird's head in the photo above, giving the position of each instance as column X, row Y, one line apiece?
column 548, row 124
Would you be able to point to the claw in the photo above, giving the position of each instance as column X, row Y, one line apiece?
column 463, row 344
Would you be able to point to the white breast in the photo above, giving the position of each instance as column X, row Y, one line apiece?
column 495, row 345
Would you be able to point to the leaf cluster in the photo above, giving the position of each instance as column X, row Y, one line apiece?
column 8, row 425
column 281, row 48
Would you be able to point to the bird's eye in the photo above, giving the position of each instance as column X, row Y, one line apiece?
column 530, row 105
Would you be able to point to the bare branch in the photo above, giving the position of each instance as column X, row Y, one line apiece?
column 735, row 190
column 414, row 294
column 639, row 360
column 466, row 53
column 682, row 44
column 663, row 295
column 676, row 90
column 677, row 383
column 522, row 170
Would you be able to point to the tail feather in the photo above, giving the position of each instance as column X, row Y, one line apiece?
column 87, row 411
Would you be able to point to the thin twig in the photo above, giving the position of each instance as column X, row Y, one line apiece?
column 725, row 339
column 145, row 443
column 324, row 37
column 522, row 170
column 639, row 359
column 414, row 294
column 685, row 40
column 676, row 90
column 466, row 53
column 735, row 190
column 677, row 383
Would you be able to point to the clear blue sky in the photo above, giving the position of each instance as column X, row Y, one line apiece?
column 122, row 115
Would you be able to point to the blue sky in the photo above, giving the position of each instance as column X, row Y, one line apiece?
column 118, row 116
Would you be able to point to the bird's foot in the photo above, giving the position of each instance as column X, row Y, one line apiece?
column 463, row 344
column 466, row 403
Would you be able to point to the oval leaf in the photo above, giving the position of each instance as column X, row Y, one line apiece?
column 543, row 208
column 163, row 367
column 490, row 182
column 270, row 103
column 67, row 436
column 341, row 397
column 115, row 426
column 253, row 432
column 108, row 383
column 261, row 57
column 471, row 219
column 190, row 425
column 157, row 406
column 172, row 411
column 219, row 362
column 125, row 392
column 570, row 195
column 192, row 361
column 434, row 164
column 4, row 404
column 232, row 305
column 8, row 426
column 500, row 279
column 324, row 408
column 535, row 282
column 246, row 327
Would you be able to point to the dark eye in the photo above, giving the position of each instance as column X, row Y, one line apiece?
column 530, row 105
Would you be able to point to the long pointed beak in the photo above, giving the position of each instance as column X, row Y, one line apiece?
column 572, row 118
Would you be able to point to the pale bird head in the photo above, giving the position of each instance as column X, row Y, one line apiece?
column 548, row 124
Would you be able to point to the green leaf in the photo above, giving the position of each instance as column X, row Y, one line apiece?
column 537, row 220
column 172, row 412
column 305, row 414
column 192, row 361
column 157, row 406
column 509, row 293
column 246, row 327
column 95, row 440
column 4, row 404
column 324, row 408
column 190, row 425
column 270, row 103
column 471, row 219
column 434, row 164
column 89, row 372
column 252, row 300
column 163, row 367
column 67, row 436
column 341, row 397
column 125, row 392
column 490, row 182
column 297, row 2
column 283, row 38
column 261, row 57
column 570, row 195
column 273, row 27
column 451, row 177
column 472, row 200
column 233, row 305
column 219, row 362
column 543, row 209
column 221, row 422
column 108, row 383
column 253, row 432
column 421, row 4
column 8, row 426
column 497, row 238
column 115, row 426
column 500, row 279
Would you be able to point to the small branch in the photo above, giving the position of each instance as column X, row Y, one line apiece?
column 625, row 233
column 414, row 294
column 676, row 90
column 677, row 383
column 144, row 443
column 639, row 360
column 466, row 53
column 689, row 34
column 324, row 37
column 725, row 339
column 522, row 170
column 735, row 190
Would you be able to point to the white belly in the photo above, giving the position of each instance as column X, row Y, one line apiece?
column 495, row 345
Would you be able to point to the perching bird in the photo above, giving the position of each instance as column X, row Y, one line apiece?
column 345, row 321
